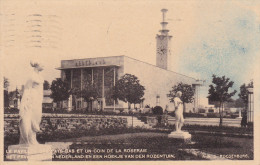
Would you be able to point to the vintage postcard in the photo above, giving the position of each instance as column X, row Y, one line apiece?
column 151, row 82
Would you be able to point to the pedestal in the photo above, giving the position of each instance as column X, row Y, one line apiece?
column 22, row 152
column 239, row 114
column 180, row 135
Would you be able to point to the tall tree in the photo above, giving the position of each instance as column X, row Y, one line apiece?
column 129, row 89
column 219, row 92
column 187, row 93
column 6, row 96
column 60, row 90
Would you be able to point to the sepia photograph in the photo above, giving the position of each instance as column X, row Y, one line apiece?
column 132, row 81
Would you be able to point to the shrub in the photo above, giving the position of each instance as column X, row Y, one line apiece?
column 202, row 110
column 250, row 125
column 60, row 110
column 157, row 110
column 213, row 115
column 11, row 110
column 211, row 110
column 47, row 110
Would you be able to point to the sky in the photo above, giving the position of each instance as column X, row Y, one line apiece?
column 209, row 37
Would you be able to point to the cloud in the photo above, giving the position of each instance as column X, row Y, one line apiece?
column 227, row 47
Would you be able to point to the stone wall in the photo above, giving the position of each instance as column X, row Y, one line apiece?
column 68, row 122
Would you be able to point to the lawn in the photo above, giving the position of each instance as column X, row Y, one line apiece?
column 156, row 143
column 227, row 146
column 156, row 146
column 160, row 144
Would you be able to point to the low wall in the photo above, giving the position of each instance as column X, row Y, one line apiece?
column 52, row 122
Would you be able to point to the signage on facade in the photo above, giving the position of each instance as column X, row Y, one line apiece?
column 90, row 62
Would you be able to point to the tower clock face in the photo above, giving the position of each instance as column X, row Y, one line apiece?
column 161, row 50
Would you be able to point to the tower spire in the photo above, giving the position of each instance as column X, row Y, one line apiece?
column 163, row 45
column 164, row 31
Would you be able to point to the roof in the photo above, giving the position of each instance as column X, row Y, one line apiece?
column 61, row 68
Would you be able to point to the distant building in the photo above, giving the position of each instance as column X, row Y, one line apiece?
column 105, row 71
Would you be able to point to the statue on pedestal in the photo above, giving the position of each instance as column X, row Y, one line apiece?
column 31, row 106
column 179, row 120
column 30, row 118
column 178, row 111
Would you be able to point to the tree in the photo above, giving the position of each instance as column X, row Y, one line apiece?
column 128, row 89
column 239, row 103
column 6, row 96
column 60, row 90
column 6, row 83
column 243, row 95
column 244, row 92
column 158, row 111
column 187, row 93
column 46, row 85
column 89, row 93
column 219, row 92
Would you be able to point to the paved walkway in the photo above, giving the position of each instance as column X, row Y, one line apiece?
column 208, row 121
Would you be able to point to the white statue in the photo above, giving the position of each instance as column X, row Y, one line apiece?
column 31, row 106
column 178, row 111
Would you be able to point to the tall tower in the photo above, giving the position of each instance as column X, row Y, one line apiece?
column 163, row 51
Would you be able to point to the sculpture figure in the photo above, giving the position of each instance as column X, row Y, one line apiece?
column 178, row 111
column 31, row 106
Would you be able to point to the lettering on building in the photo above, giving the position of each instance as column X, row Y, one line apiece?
column 90, row 62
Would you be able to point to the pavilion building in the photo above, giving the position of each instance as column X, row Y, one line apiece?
column 157, row 79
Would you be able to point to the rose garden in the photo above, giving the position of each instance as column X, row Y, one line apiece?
column 140, row 134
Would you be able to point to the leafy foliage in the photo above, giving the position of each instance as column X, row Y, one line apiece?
column 6, row 83
column 128, row 89
column 187, row 93
column 157, row 110
column 6, row 96
column 219, row 92
column 46, row 85
column 243, row 95
column 60, row 90
column 90, row 93
column 244, row 92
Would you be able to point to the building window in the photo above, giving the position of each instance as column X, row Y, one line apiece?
column 67, row 77
column 97, row 80
column 86, row 77
column 109, row 83
column 76, row 78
